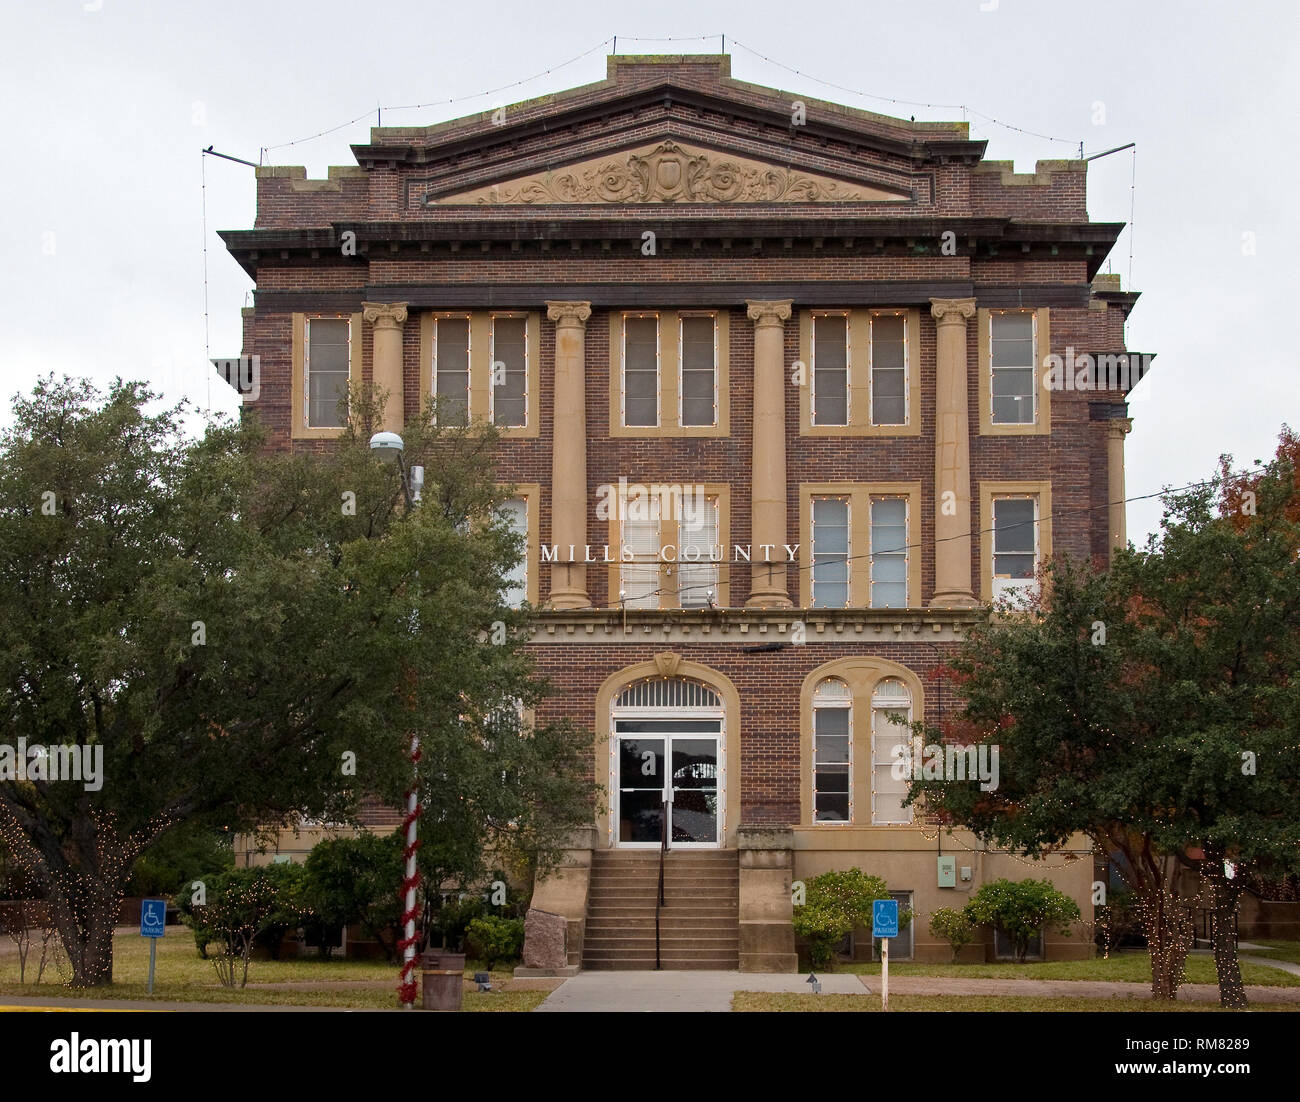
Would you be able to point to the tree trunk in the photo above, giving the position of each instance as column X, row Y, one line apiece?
column 85, row 928
column 1221, row 900
column 1168, row 928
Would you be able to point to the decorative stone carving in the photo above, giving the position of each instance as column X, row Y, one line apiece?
column 568, row 313
column 668, row 173
column 774, row 312
column 667, row 663
column 544, row 940
column 384, row 315
column 952, row 311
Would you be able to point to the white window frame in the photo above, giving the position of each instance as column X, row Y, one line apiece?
column 659, row 382
column 523, row 501
column 833, row 705
column 1033, row 368
column 876, row 763
column 492, row 359
column 306, row 365
column 1003, row 585
column 848, row 368
column 847, row 498
column 469, row 359
column 681, row 368
column 871, row 550
column 907, row 369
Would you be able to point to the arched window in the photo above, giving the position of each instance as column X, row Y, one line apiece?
column 832, row 777
column 890, row 743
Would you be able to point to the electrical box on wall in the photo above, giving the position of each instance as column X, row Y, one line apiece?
column 965, row 872
column 947, row 872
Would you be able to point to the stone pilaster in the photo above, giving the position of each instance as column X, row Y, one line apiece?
column 952, row 475
column 766, row 905
column 768, row 525
column 388, row 318
column 569, row 455
column 1116, row 430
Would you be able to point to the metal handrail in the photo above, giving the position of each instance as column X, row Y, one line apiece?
column 663, row 850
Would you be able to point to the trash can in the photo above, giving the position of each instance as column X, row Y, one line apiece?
column 442, row 977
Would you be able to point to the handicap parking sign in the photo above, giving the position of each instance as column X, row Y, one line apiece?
column 884, row 918
column 153, row 917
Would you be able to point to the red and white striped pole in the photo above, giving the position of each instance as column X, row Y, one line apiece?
column 410, row 881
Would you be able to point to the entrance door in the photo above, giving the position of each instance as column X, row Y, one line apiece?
column 667, row 762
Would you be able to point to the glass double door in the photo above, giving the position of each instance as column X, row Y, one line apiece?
column 667, row 778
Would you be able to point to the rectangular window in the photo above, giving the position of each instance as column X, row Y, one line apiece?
column 640, row 577
column 697, row 572
column 830, row 369
column 451, row 370
column 640, row 371
column 831, row 768
column 510, row 372
column 889, row 552
column 887, row 791
column 699, row 371
column 1015, row 543
column 1011, row 355
column 516, row 514
column 888, row 369
column 326, row 359
column 830, row 552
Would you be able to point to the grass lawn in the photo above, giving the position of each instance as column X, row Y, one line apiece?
column 182, row 976
column 1278, row 950
column 758, row 1001
column 1121, row 967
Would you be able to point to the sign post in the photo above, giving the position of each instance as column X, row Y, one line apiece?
column 884, row 925
column 153, row 922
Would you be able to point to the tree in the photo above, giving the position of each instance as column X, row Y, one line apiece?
column 836, row 904
column 954, row 926
column 354, row 880
column 250, row 905
column 1022, row 909
column 228, row 637
column 1152, row 707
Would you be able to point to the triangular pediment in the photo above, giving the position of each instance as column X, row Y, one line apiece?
column 670, row 172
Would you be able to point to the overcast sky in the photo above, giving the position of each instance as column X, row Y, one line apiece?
column 106, row 105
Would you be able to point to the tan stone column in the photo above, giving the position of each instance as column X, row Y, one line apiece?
column 952, row 476
column 386, row 364
column 768, row 526
column 569, row 454
column 1115, row 432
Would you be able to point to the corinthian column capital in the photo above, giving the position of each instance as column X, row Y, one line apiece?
column 774, row 312
column 952, row 311
column 1119, row 427
column 569, row 314
column 384, row 315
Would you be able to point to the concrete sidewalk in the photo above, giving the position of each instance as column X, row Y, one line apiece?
column 650, row 992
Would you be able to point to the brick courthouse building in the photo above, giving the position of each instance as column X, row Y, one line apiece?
column 772, row 375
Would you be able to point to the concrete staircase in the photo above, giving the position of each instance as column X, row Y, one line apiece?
column 699, row 922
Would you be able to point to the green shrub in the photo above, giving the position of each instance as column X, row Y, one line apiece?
column 836, row 904
column 491, row 939
column 954, row 927
column 451, row 920
column 1021, row 908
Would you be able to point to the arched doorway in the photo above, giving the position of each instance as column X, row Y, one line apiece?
column 667, row 749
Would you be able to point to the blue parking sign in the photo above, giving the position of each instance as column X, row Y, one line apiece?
column 884, row 918
column 153, row 917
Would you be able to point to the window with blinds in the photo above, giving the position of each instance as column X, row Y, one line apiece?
column 451, row 370
column 1011, row 355
column 515, row 512
column 890, row 698
column 699, row 370
column 640, row 371
column 888, row 369
column 830, row 369
column 889, row 552
column 640, row 576
column 830, row 552
column 832, row 752
column 326, row 360
column 510, row 372
column 697, row 573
